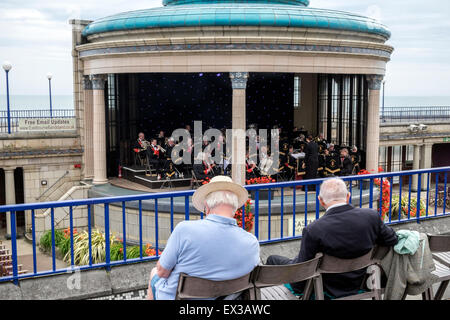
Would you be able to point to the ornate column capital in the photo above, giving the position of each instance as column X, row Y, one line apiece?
column 374, row 81
column 87, row 83
column 239, row 80
column 98, row 81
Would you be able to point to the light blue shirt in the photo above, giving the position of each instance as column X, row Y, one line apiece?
column 215, row 248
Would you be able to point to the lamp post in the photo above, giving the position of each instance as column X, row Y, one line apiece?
column 49, row 77
column 7, row 66
column 382, row 110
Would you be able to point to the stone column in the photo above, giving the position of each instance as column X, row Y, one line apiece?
column 373, row 122
column 416, row 166
column 99, row 130
column 10, row 197
column 88, row 129
column 426, row 162
column 239, row 84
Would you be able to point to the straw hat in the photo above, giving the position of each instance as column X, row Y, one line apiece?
column 219, row 183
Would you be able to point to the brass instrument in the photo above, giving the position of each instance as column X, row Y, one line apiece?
column 161, row 148
column 144, row 144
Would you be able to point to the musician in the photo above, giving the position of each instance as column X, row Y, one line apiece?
column 322, row 161
column 299, row 142
column 154, row 154
column 251, row 170
column 345, row 163
column 140, row 145
column 161, row 139
column 265, row 163
column 355, row 155
column 331, row 164
column 311, row 158
column 289, row 163
column 332, row 150
column 203, row 170
column 321, row 142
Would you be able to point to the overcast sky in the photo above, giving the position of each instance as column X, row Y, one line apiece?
column 36, row 38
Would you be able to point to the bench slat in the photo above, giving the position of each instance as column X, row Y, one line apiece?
column 277, row 293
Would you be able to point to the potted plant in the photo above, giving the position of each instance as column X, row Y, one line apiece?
column 403, row 204
column 365, row 183
column 263, row 194
column 248, row 217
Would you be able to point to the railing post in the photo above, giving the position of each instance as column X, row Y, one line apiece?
column 124, row 231
column 33, row 227
column 15, row 271
column 419, row 183
column 257, row 214
column 52, row 221
column 107, row 240
column 156, row 227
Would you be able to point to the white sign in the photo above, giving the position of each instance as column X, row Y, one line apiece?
column 47, row 124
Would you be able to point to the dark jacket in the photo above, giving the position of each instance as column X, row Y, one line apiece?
column 312, row 153
column 345, row 232
column 346, row 166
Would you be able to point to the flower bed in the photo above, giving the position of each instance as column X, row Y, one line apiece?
column 98, row 245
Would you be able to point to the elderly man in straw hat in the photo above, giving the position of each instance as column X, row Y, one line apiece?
column 214, row 248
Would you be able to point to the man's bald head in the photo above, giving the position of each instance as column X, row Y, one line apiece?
column 333, row 191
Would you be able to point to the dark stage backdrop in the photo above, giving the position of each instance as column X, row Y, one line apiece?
column 171, row 101
column 154, row 102
column 270, row 98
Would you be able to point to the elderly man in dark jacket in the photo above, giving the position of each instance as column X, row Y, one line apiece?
column 345, row 232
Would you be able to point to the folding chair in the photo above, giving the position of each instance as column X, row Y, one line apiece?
column 330, row 264
column 195, row 183
column 440, row 249
column 198, row 288
column 269, row 279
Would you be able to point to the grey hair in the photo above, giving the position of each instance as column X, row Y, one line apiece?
column 333, row 189
column 222, row 197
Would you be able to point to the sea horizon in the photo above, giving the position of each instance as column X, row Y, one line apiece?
column 41, row 102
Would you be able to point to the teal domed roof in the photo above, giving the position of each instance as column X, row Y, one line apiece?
column 270, row 13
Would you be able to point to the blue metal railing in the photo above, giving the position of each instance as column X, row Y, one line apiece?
column 418, row 113
column 272, row 217
column 15, row 115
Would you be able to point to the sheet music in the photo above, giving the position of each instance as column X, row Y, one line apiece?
column 299, row 155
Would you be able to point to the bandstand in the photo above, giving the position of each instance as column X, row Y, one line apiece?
column 227, row 63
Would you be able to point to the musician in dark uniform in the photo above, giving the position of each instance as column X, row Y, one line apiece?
column 331, row 164
column 355, row 155
column 155, row 157
column 203, row 170
column 345, row 163
column 289, row 163
column 251, row 170
column 311, row 158
column 299, row 143
column 169, row 165
column 322, row 162
column 161, row 139
column 140, row 146
column 322, row 143
column 333, row 150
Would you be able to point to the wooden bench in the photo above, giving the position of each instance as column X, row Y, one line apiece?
column 198, row 288
column 269, row 280
column 440, row 249
column 333, row 265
